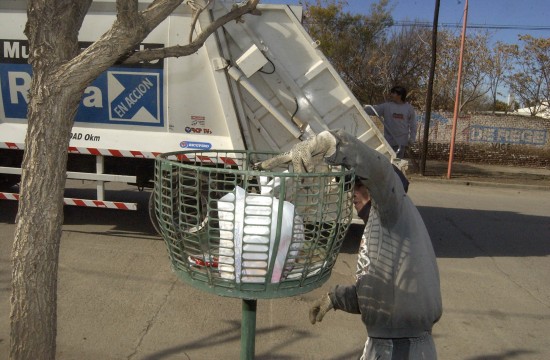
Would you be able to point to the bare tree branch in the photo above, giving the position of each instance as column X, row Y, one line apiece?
column 130, row 27
column 159, row 10
column 183, row 50
column 196, row 18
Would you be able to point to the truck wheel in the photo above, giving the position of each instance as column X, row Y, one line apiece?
column 8, row 181
column 9, row 158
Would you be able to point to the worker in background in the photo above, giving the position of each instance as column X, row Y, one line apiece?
column 399, row 120
column 397, row 289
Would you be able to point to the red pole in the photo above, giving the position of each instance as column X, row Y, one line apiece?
column 457, row 98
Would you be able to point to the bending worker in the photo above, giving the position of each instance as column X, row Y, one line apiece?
column 397, row 290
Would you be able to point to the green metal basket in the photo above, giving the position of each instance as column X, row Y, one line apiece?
column 238, row 232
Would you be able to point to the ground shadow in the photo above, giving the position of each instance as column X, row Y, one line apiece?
column 455, row 233
column 222, row 338
column 466, row 233
column 506, row 355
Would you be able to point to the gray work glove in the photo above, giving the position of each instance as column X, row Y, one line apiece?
column 304, row 155
column 319, row 308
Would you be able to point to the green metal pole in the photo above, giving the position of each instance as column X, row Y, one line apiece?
column 248, row 329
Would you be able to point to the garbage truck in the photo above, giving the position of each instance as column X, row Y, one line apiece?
column 259, row 83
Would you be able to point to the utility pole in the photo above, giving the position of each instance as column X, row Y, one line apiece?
column 428, row 111
column 457, row 97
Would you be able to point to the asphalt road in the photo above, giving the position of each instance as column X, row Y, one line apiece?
column 118, row 298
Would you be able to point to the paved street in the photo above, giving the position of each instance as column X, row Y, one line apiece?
column 118, row 298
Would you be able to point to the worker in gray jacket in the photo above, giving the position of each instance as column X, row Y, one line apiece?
column 397, row 289
column 399, row 120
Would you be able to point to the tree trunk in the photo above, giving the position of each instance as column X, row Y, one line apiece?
column 60, row 75
column 39, row 220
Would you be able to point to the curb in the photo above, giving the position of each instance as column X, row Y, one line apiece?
column 479, row 183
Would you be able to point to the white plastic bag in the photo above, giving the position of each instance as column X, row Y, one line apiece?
column 248, row 226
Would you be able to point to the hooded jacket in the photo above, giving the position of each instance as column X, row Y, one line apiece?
column 397, row 291
column 399, row 122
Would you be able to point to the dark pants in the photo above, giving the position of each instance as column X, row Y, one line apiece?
column 400, row 151
column 418, row 348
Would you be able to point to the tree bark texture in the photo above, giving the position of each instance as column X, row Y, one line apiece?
column 53, row 101
column 38, row 231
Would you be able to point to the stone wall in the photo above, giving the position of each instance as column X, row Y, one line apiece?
column 493, row 139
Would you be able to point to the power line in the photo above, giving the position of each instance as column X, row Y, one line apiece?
column 473, row 26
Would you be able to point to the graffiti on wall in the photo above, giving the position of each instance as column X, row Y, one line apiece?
column 434, row 117
column 507, row 135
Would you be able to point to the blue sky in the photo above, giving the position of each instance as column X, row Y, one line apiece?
column 526, row 13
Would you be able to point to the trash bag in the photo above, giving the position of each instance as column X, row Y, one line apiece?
column 249, row 224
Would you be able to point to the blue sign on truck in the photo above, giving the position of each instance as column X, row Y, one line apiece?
column 121, row 95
